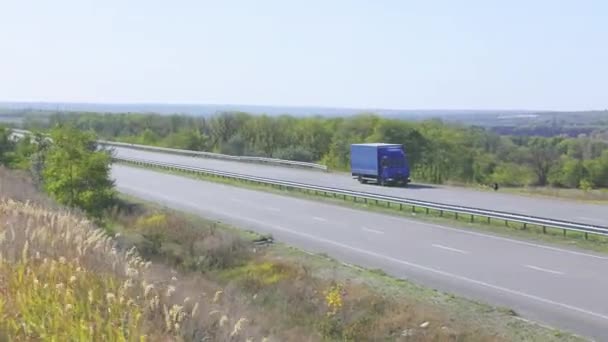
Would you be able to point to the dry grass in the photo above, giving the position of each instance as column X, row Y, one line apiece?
column 594, row 195
column 62, row 277
column 18, row 186
column 301, row 302
column 174, row 240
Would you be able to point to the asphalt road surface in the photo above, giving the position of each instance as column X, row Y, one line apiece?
column 549, row 208
column 565, row 288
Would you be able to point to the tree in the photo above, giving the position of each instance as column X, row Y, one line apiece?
column 6, row 145
column 38, row 158
column 597, row 170
column 188, row 139
column 224, row 126
column 348, row 131
column 510, row 174
column 401, row 132
column 234, row 146
column 296, row 153
column 572, row 172
column 314, row 135
column 76, row 173
column 149, row 137
column 543, row 156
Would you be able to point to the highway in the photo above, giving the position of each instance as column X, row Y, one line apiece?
column 543, row 207
column 565, row 288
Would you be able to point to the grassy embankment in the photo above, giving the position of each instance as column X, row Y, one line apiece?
column 61, row 277
column 517, row 230
column 599, row 196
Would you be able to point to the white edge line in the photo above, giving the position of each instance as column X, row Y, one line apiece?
column 543, row 269
column 320, row 219
column 372, row 230
column 464, row 231
column 450, row 249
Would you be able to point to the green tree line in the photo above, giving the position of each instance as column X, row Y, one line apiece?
column 437, row 152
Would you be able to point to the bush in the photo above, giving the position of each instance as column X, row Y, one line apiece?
column 295, row 153
column 512, row 175
column 585, row 185
column 235, row 146
column 183, row 243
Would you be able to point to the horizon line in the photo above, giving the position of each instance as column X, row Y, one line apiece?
column 363, row 109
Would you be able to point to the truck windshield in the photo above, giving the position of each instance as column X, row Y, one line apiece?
column 396, row 162
column 393, row 162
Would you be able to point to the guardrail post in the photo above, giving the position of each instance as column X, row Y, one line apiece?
column 525, row 226
column 489, row 219
column 427, row 211
column 544, row 230
column 456, row 215
column 472, row 218
column 441, row 213
column 564, row 232
column 586, row 236
column 413, row 208
column 400, row 206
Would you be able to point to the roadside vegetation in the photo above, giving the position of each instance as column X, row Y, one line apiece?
column 592, row 195
column 438, row 152
column 84, row 263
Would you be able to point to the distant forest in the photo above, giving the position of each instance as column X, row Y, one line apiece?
column 438, row 151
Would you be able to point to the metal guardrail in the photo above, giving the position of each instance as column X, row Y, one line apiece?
column 364, row 196
column 217, row 155
column 20, row 131
column 204, row 154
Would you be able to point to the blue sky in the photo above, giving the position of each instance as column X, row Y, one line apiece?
column 467, row 54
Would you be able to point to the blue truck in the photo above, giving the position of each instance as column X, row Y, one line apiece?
column 380, row 163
